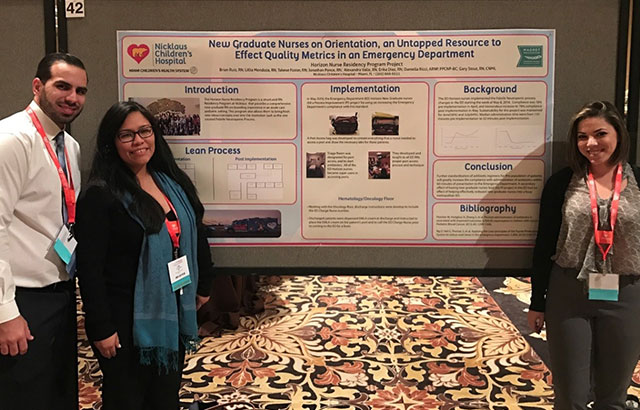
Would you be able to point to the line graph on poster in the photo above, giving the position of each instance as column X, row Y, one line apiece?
column 477, row 140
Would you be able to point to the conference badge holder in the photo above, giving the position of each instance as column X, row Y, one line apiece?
column 65, row 244
column 603, row 286
column 179, row 273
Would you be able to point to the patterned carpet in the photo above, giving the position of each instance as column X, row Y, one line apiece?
column 512, row 294
column 361, row 342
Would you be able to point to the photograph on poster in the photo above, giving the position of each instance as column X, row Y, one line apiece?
column 344, row 124
column 379, row 165
column 233, row 223
column 315, row 164
column 176, row 116
column 385, row 124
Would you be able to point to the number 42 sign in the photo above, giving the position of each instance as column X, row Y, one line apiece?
column 74, row 8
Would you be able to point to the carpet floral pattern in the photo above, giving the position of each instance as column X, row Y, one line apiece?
column 363, row 342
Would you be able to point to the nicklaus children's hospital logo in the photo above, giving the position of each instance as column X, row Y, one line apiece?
column 171, row 55
column 138, row 52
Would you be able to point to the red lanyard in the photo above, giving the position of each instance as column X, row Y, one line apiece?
column 174, row 228
column 67, row 186
column 605, row 237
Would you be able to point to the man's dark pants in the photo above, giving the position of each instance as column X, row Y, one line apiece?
column 46, row 377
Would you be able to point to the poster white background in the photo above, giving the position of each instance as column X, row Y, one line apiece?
column 307, row 138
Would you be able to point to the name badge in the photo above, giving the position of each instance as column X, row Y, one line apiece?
column 179, row 273
column 65, row 244
column 603, row 286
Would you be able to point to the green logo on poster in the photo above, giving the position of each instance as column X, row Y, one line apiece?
column 530, row 56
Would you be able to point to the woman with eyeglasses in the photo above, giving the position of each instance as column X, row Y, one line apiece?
column 586, row 265
column 143, row 261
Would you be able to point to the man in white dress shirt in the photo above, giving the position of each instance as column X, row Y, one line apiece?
column 39, row 179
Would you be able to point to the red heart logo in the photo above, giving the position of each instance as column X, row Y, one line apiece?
column 138, row 52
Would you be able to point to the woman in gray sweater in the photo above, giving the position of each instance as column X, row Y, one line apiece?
column 585, row 285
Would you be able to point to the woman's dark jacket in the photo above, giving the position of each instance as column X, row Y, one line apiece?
column 549, row 224
column 109, row 243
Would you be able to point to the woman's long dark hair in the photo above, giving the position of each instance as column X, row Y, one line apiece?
column 608, row 112
column 108, row 169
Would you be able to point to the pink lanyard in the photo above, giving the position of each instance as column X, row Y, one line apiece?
column 604, row 237
column 67, row 186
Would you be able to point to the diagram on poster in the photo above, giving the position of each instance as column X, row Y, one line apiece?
column 489, row 140
column 243, row 173
column 255, row 181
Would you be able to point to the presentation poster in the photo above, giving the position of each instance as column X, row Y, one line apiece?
column 425, row 138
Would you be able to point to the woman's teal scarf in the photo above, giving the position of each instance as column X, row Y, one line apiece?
column 159, row 323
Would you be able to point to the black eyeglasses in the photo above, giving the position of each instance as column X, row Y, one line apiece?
column 128, row 136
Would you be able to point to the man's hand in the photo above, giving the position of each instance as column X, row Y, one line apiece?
column 108, row 346
column 201, row 300
column 535, row 320
column 14, row 336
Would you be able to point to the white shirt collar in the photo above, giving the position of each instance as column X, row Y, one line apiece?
column 50, row 127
